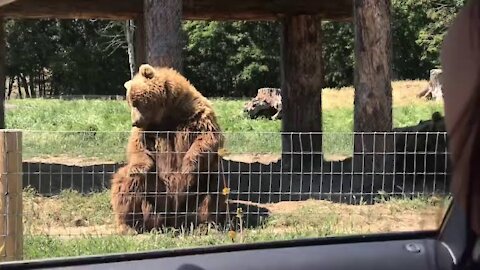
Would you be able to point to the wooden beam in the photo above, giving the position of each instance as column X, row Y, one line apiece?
column 192, row 9
column 11, row 225
column 6, row 2
column 73, row 9
column 163, row 29
column 302, row 79
column 264, row 9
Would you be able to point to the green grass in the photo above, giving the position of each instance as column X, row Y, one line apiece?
column 292, row 220
column 37, row 247
column 100, row 129
column 83, row 128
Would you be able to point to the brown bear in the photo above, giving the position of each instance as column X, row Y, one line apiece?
column 171, row 177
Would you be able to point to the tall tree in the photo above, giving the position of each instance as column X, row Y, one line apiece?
column 302, row 80
column 163, row 26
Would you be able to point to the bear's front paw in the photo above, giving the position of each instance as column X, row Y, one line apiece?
column 136, row 170
column 188, row 167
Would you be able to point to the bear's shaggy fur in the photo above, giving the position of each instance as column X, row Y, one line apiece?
column 171, row 177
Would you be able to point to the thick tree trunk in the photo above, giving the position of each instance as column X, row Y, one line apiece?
column 302, row 77
column 373, row 89
column 163, row 25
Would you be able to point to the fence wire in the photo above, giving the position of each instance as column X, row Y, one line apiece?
column 252, row 180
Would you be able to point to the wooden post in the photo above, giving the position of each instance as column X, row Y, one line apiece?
column 2, row 73
column 163, row 31
column 11, row 213
column 302, row 78
column 373, row 88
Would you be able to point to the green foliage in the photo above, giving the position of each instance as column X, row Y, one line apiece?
column 70, row 56
column 338, row 53
column 86, row 63
column 418, row 31
column 407, row 23
column 221, row 58
column 439, row 15
column 232, row 58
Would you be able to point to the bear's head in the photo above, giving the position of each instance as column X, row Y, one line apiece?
column 147, row 94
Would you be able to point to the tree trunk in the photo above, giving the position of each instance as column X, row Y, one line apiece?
column 43, row 85
column 39, row 83
column 163, row 25
column 32, row 86
column 373, row 89
column 139, row 42
column 11, row 80
column 129, row 35
column 19, row 87
column 302, row 77
column 25, row 86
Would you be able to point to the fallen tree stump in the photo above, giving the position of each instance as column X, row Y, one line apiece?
column 434, row 89
column 267, row 103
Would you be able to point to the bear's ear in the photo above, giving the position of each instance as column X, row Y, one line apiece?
column 128, row 85
column 147, row 71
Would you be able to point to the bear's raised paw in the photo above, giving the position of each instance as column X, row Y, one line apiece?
column 136, row 170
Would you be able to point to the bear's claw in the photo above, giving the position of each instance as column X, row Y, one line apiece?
column 137, row 170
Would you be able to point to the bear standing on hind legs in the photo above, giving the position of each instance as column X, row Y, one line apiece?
column 171, row 177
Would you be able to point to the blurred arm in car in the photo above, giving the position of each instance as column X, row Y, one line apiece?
column 460, row 57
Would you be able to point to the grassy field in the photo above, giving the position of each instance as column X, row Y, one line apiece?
column 72, row 224
column 97, row 129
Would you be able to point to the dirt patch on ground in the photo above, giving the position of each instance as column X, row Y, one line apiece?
column 378, row 218
column 69, row 161
column 253, row 158
column 9, row 107
column 81, row 161
column 74, row 232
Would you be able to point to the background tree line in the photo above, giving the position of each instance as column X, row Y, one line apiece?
column 53, row 57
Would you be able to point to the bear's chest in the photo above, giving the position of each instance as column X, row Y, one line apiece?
column 170, row 149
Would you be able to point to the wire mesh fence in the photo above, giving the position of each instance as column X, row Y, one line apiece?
column 90, row 184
